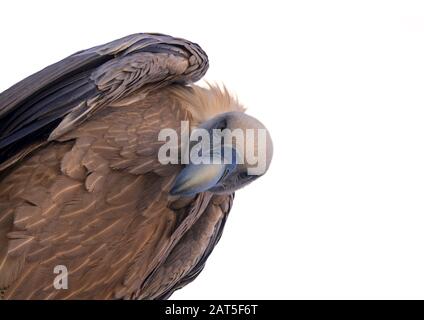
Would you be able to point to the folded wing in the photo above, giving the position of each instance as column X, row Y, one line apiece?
column 53, row 101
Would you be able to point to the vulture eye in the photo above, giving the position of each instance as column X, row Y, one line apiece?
column 221, row 125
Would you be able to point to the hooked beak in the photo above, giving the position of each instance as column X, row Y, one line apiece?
column 196, row 178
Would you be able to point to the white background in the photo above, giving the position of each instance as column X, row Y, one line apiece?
column 339, row 84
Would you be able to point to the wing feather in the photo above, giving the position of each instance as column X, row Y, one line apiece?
column 60, row 97
column 188, row 257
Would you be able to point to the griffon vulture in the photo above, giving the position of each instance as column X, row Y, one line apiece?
column 81, row 184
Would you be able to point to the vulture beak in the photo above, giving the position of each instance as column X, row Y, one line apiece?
column 208, row 173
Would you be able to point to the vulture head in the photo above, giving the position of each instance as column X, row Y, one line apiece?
column 238, row 149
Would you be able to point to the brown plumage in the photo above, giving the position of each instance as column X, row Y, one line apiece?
column 80, row 181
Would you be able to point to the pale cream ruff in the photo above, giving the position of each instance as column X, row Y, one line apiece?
column 205, row 103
